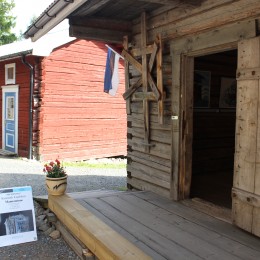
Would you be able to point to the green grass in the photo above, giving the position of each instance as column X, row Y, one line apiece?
column 98, row 165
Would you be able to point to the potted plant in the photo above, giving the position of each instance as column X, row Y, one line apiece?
column 56, row 178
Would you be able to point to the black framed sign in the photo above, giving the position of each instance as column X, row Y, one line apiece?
column 228, row 91
column 202, row 81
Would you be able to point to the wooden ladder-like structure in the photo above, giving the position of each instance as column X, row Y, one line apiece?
column 151, row 91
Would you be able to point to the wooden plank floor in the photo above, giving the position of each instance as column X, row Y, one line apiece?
column 162, row 229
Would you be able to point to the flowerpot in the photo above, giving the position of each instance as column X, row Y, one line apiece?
column 56, row 186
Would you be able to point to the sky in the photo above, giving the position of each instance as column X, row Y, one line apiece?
column 25, row 10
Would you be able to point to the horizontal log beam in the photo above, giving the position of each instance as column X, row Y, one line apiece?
column 99, row 29
column 91, row 7
column 90, row 33
column 140, row 96
column 167, row 2
column 104, row 23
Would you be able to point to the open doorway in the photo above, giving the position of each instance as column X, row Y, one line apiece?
column 214, row 118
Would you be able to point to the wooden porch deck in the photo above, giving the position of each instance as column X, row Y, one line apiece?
column 143, row 225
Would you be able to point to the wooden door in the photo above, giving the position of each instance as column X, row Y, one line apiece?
column 246, row 186
column 10, row 118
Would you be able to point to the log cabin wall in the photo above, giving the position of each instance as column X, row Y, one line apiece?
column 155, row 170
column 37, row 101
column 151, row 170
column 23, row 81
column 76, row 119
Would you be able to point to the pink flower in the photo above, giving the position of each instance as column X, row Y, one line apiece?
column 54, row 169
column 57, row 161
column 48, row 168
column 52, row 163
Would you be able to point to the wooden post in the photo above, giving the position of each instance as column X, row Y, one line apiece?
column 246, row 191
column 145, row 82
column 160, row 78
column 125, row 45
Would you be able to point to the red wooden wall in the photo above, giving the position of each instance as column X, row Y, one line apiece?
column 23, row 80
column 77, row 120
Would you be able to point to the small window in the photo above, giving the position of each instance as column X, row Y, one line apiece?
column 10, row 108
column 10, row 73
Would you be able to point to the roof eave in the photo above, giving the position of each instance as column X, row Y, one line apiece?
column 51, row 17
column 15, row 55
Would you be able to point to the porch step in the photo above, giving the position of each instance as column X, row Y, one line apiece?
column 6, row 153
column 100, row 239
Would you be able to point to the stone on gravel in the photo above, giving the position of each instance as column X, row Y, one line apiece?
column 38, row 210
column 40, row 218
column 55, row 234
column 49, row 231
column 44, row 227
column 51, row 217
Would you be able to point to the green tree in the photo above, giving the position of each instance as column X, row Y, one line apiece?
column 20, row 34
column 7, row 22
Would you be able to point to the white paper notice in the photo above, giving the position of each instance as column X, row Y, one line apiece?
column 17, row 219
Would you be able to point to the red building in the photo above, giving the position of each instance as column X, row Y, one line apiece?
column 68, row 115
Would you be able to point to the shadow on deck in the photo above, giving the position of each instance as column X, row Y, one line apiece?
column 143, row 225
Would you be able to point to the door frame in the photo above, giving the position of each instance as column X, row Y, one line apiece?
column 15, row 89
column 183, row 52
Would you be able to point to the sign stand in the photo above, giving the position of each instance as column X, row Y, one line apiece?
column 17, row 218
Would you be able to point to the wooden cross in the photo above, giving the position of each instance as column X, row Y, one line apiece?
column 146, row 80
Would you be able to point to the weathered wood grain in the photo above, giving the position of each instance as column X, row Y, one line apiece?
column 144, row 185
column 103, row 241
column 150, row 160
column 247, row 137
column 161, row 136
column 203, row 220
column 146, row 173
column 102, row 214
column 159, row 243
column 159, row 227
column 179, row 22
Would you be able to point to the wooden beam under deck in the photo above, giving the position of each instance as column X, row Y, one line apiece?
column 143, row 225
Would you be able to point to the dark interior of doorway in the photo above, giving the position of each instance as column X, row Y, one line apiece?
column 214, row 117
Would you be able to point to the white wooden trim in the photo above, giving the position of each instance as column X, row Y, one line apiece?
column 10, row 88
column 7, row 80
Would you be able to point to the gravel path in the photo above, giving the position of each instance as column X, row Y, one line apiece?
column 17, row 172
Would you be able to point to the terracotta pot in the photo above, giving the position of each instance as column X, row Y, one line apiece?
column 56, row 186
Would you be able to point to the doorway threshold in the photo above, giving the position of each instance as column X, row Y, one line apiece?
column 222, row 213
column 7, row 153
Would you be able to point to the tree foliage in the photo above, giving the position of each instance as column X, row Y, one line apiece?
column 7, row 22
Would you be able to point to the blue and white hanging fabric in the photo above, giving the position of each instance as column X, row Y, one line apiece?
column 111, row 81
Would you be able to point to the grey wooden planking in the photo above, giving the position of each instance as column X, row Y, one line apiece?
column 169, row 230
column 212, row 241
column 123, row 232
column 204, row 220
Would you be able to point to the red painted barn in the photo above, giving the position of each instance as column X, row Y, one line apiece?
column 70, row 117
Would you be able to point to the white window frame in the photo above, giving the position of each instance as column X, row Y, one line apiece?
column 10, row 80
